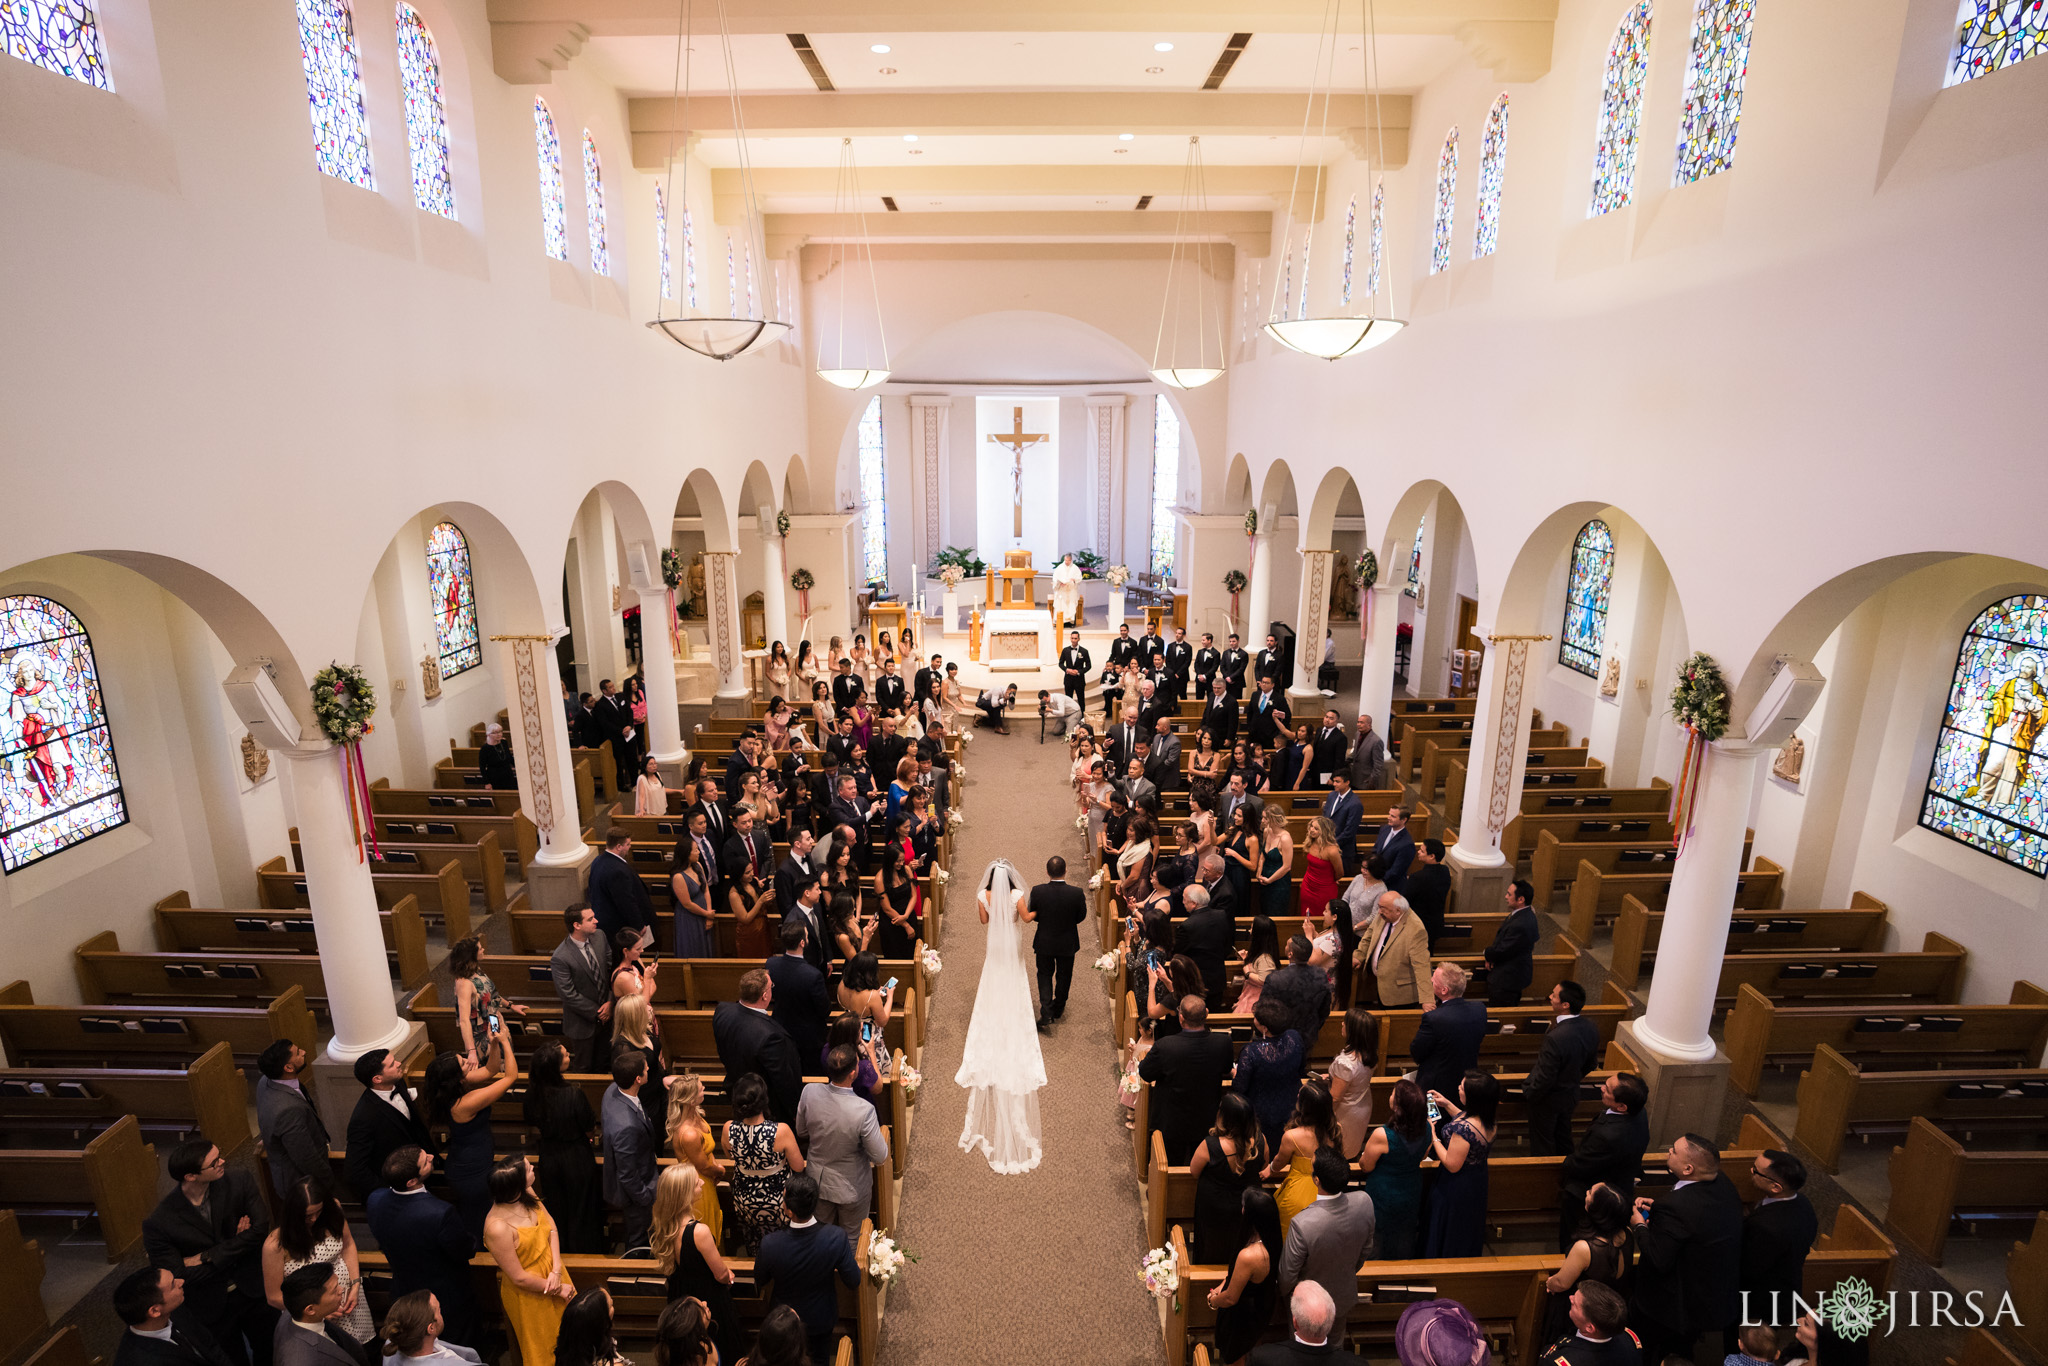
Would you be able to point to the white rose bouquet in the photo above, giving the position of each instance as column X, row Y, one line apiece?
column 886, row 1260
column 1160, row 1274
column 941, row 877
column 932, row 965
column 910, row 1079
column 1109, row 963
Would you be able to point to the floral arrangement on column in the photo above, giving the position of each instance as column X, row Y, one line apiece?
column 1699, row 703
column 1118, row 575
column 672, row 571
column 343, row 703
column 1233, row 584
column 1367, row 573
column 782, row 525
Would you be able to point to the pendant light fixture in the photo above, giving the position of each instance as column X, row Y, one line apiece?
column 1336, row 335
column 846, row 205
column 1194, row 371
column 742, row 332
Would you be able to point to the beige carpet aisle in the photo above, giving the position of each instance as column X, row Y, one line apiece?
column 1041, row 1267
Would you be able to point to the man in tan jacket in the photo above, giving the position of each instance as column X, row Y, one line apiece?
column 1392, row 958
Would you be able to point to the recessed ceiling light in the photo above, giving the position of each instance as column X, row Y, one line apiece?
column 1125, row 137
column 915, row 151
column 1121, row 151
column 888, row 71
column 1154, row 70
column 1162, row 47
column 910, row 137
column 879, row 47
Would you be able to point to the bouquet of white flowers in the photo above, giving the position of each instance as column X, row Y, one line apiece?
column 932, row 965
column 1109, row 962
column 910, row 1079
column 960, row 772
column 941, row 877
column 955, row 818
column 886, row 1260
column 1160, row 1273
column 1095, row 883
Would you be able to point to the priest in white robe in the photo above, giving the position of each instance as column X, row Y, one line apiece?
column 1066, row 593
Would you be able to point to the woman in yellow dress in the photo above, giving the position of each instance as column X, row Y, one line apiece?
column 689, row 1138
column 1312, row 1126
column 532, row 1282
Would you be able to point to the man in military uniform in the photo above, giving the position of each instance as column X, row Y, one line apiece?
column 1602, row 1336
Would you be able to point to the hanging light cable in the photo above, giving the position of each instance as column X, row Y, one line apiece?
column 846, row 203
column 1189, row 238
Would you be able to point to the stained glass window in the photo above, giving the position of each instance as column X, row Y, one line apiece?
column 661, row 239
column 1378, row 234
column 1446, row 204
column 1621, row 112
column 554, row 217
column 1714, row 73
column 57, row 35
column 1585, row 598
column 1415, row 559
column 59, row 785
column 1994, row 33
column 1984, row 789
column 1493, row 165
column 874, row 496
column 454, row 598
column 593, row 206
column 334, row 90
column 1165, row 481
column 426, row 116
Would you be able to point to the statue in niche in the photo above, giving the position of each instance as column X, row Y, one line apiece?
column 1343, row 596
column 696, row 582
column 1610, row 677
column 1791, row 759
column 430, row 677
column 255, row 759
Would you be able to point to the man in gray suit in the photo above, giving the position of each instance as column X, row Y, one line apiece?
column 1328, row 1241
column 579, row 967
column 630, row 1147
column 842, row 1142
column 304, row 1337
column 294, row 1137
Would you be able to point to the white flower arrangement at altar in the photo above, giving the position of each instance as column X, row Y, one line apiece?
column 910, row 1079
column 886, row 1259
column 932, row 965
column 951, row 574
column 1160, row 1274
column 1118, row 575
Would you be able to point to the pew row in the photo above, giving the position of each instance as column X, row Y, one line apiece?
column 113, row 1036
column 1554, row 865
column 1929, row 976
column 2026, row 1272
column 112, row 1179
column 22, row 1319
column 443, row 892
column 1590, row 773
column 210, row 1097
column 182, row 928
column 1760, row 1031
column 1838, row 1100
column 1637, row 930
column 1596, row 896
column 1610, row 813
column 1938, row 1183
column 482, row 863
column 108, row 974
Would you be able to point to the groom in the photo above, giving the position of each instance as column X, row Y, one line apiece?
column 1058, row 910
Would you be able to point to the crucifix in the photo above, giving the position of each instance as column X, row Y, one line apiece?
column 1017, row 439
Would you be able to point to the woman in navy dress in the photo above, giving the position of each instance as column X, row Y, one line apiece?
column 460, row 1100
column 1457, row 1203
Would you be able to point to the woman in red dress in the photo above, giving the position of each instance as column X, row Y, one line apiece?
column 1325, row 868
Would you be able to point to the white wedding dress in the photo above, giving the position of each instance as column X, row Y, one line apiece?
column 1002, row 1067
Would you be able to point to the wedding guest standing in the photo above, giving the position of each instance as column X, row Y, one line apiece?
column 561, row 1117
column 311, row 1230
column 1225, row 1167
column 686, row 1250
column 1351, row 1079
column 532, row 1283
column 1244, row 1302
column 209, row 1232
column 1392, row 1164
column 460, row 1098
column 764, row 1152
column 423, row 1239
column 1457, row 1203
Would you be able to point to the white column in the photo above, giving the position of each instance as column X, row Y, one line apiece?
column 658, row 674
column 1312, row 619
column 1699, row 907
column 600, row 633
column 1376, row 672
column 930, row 420
column 722, row 601
column 775, row 587
column 1106, row 473
column 547, row 781
column 1258, row 609
column 1493, row 776
column 344, row 909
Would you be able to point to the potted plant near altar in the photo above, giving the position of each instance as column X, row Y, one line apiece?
column 1118, row 575
column 949, row 601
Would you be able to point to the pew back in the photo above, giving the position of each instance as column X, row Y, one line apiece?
column 112, row 1178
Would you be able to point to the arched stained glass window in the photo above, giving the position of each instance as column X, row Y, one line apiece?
column 661, row 240
column 1984, row 789
column 593, row 206
column 1493, row 165
column 1996, row 33
column 57, row 35
column 1165, row 481
column 874, row 496
column 334, row 91
column 426, row 115
column 554, row 216
column 1446, row 205
column 1415, row 559
column 1378, row 234
column 454, row 597
column 59, row 785
column 1621, row 112
column 1712, row 105
column 1585, row 598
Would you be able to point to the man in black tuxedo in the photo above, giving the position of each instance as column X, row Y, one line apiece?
column 717, row 817
column 1187, row 1071
column 1123, row 650
column 425, row 1242
column 1776, row 1236
column 808, row 913
column 387, row 1117
column 1345, row 814
column 1446, row 1043
column 847, row 686
column 1232, row 665
column 1219, row 714
column 744, row 759
column 615, row 718
column 1207, row 662
column 1264, row 715
column 792, row 871
column 1267, row 664
column 1510, row 958
column 885, row 752
column 1313, row 1317
column 1397, row 847
column 1330, row 748
column 840, row 745
column 1429, row 887
column 1551, row 1092
column 889, row 689
column 800, row 1004
column 749, row 849
column 160, row 1333
column 1057, row 908
column 749, row 1040
column 850, row 811
column 1206, row 936
column 1120, row 741
column 1180, row 661
column 209, row 1231
column 1301, row 987
column 1074, row 666
column 1151, row 650
column 1689, row 1259
column 800, row 1263
column 1610, row 1153
column 615, row 891
column 586, row 729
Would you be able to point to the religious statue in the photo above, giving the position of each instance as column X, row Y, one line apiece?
column 1791, row 758
column 255, row 759
column 1610, row 676
column 696, row 582
column 1066, row 592
column 1343, row 598
column 2018, row 707
column 430, row 676
column 1017, row 439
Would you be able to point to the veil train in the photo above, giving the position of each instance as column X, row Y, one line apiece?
column 1001, row 1066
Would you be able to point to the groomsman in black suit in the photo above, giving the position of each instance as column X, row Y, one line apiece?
column 1331, row 746
column 1776, row 1236
column 1689, row 1268
column 1074, row 666
column 717, row 818
column 151, row 1302
column 1233, row 664
column 1610, row 1152
column 1267, row 665
column 889, row 690
column 1123, row 650
column 1151, row 649
column 1551, row 1092
column 1208, row 660
column 1058, row 909
column 387, row 1117
column 1180, row 658
column 1219, row 716
column 847, row 686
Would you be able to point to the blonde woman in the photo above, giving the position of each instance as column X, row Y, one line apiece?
column 689, row 1138
column 686, row 1250
column 635, row 1030
column 533, row 1285
column 1325, row 870
column 1275, row 874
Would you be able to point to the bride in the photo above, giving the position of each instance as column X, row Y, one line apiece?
column 1002, row 1067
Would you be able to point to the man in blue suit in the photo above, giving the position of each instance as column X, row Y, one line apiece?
column 801, row 1260
column 1344, row 812
column 1397, row 846
column 1447, row 1041
column 423, row 1238
column 615, row 890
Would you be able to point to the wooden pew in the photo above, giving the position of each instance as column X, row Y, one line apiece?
column 538, row 932
column 1586, row 811
column 210, row 1097
column 1637, row 930
column 182, row 929
column 22, row 1319
column 2026, row 1272
column 482, row 863
column 1982, row 1349
column 1937, row 1182
column 1596, row 895
column 517, row 840
column 1545, row 749
column 1932, row 976
column 386, row 800
column 113, row 1036
column 1855, row 1247
column 112, row 1178
column 604, row 769
column 1837, row 1099
column 108, row 974
column 1759, row 1031
column 1556, row 861
column 443, row 892
column 1589, row 773
column 65, row 1347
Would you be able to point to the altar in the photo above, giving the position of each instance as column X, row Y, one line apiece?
column 1018, row 639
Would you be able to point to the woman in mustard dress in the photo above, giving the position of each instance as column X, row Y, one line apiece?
column 1311, row 1128
column 532, row 1282
column 689, row 1138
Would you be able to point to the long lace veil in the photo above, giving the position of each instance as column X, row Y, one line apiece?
column 1001, row 1066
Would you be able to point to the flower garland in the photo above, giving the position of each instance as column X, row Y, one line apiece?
column 1234, row 583
column 1699, row 703
column 343, row 703
column 886, row 1259
column 1367, row 573
column 672, row 570
column 803, row 581
column 782, row 525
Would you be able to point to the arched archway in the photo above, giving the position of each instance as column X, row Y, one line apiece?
column 706, row 536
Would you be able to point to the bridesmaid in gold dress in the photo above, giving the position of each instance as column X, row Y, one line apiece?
column 690, row 1139
column 532, row 1282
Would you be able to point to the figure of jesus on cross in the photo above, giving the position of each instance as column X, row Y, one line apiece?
column 1017, row 439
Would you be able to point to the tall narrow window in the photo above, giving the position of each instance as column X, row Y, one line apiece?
column 1165, row 482
column 1493, row 166
column 1712, row 105
column 426, row 115
column 1621, row 112
column 874, row 496
column 1446, row 205
column 593, row 206
column 1984, row 789
column 661, row 239
column 1996, row 33
column 554, row 216
column 334, row 90
column 1415, row 559
column 59, row 785
column 57, row 35
column 454, row 598
column 1378, row 235
column 1585, row 598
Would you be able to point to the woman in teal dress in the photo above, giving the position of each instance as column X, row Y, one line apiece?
column 1392, row 1163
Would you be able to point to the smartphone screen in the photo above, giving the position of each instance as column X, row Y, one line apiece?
column 1435, row 1113
column 867, row 1031
column 889, row 985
